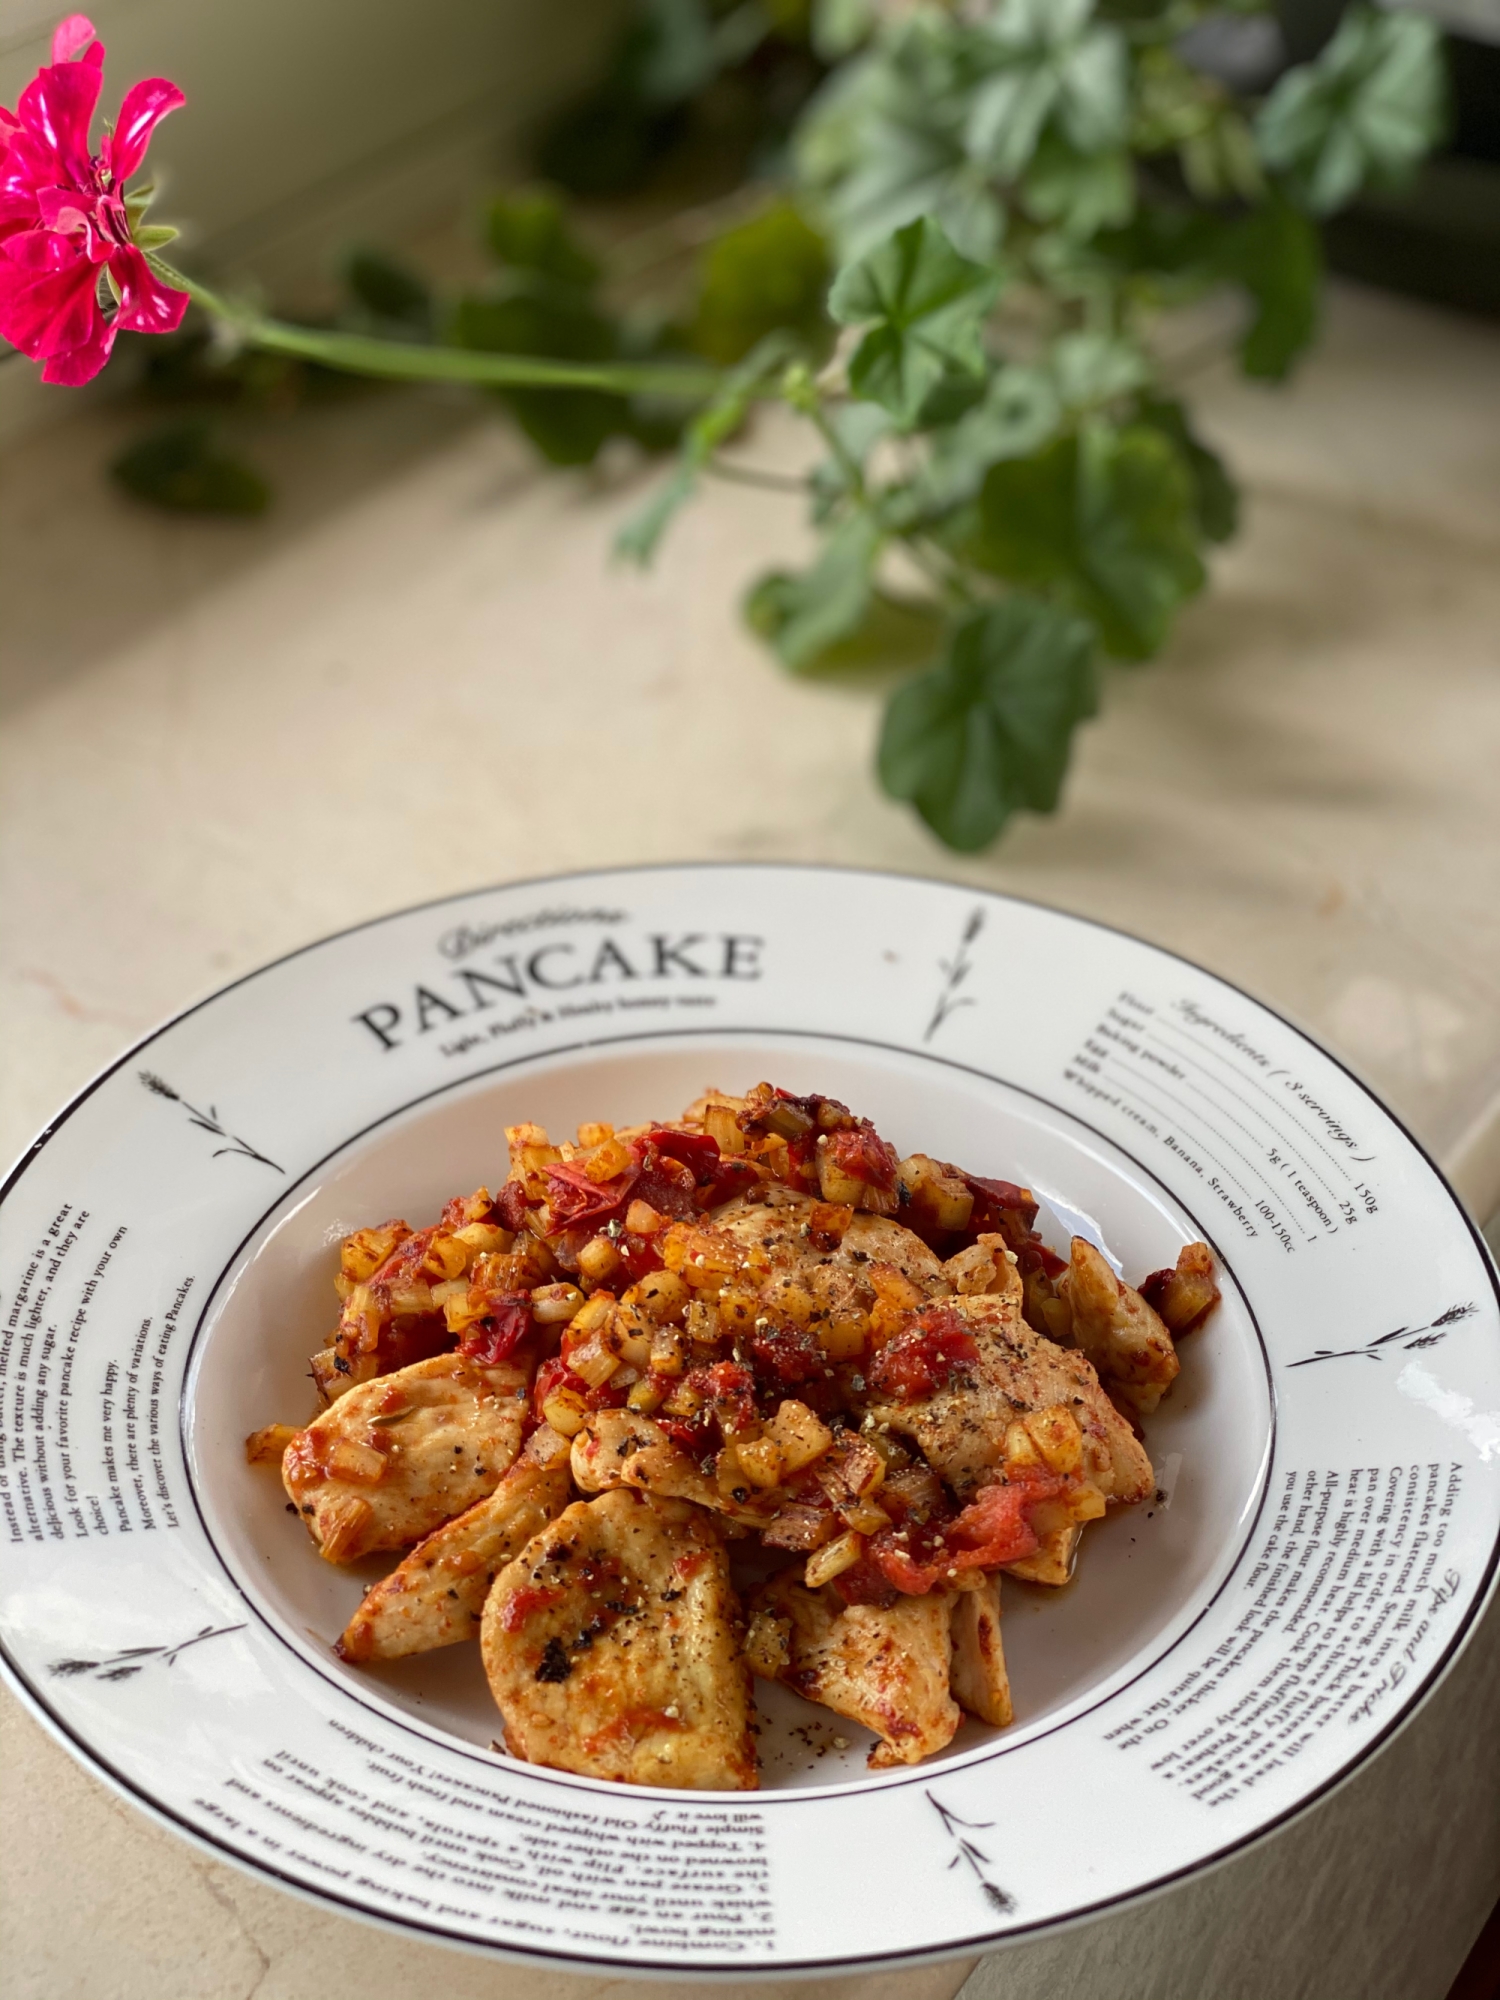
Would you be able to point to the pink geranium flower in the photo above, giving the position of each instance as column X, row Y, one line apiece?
column 63, row 220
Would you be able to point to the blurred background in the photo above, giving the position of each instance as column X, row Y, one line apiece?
column 282, row 649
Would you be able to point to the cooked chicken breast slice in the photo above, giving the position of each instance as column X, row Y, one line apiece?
column 394, row 1458
column 435, row 1597
column 621, row 1448
column 783, row 1229
column 884, row 1667
column 961, row 1426
column 978, row 1680
column 1126, row 1341
column 612, row 1646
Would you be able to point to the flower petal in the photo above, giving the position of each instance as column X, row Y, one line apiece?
column 146, row 304
column 39, row 250
column 145, row 103
column 82, row 363
column 48, row 312
column 55, row 107
column 70, row 35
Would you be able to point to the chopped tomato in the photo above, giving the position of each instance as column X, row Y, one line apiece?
column 693, row 1149
column 730, row 1389
column 864, row 1156
column 639, row 1255
column 865, row 1582
column 696, row 1439
column 730, row 1177
column 556, row 1374
column 493, row 1339
column 512, row 1209
column 994, row 1528
column 917, row 1363
column 995, row 1196
column 785, row 1356
column 576, row 1201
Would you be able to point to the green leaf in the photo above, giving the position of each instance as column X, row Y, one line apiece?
column 1107, row 519
column 989, row 730
column 1092, row 369
column 883, row 142
column 1364, row 113
column 1016, row 415
column 1051, row 62
column 155, row 235
column 928, row 305
column 713, row 426
column 567, row 426
column 388, row 292
column 802, row 615
column 1079, row 193
column 529, row 232
column 182, row 469
column 1216, row 498
column 770, row 272
column 1276, row 254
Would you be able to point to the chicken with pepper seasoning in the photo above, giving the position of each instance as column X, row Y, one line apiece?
column 742, row 1394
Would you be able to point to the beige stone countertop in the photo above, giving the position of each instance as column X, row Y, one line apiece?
column 421, row 673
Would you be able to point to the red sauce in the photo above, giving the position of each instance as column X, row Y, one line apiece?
column 630, row 1727
column 866, row 1582
column 524, row 1603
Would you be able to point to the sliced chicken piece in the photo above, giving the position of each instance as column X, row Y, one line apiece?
column 435, row 1597
column 873, row 1239
column 1126, row 1341
column 960, row 1426
column 794, row 1230
column 988, row 1265
column 1056, row 1554
column 978, row 1680
column 612, row 1646
column 394, row 1458
column 620, row 1448
column 884, row 1666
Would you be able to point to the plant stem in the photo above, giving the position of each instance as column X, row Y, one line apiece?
column 945, row 574
column 751, row 475
column 406, row 361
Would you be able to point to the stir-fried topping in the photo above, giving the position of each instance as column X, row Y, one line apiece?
column 758, row 1330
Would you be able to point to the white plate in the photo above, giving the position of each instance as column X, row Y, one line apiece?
column 1329, row 1462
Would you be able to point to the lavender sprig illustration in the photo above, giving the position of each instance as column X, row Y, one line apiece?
column 970, row 1855
column 206, row 1121
column 1410, row 1337
column 130, row 1659
column 957, row 970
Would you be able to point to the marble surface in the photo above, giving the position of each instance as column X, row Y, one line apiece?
column 422, row 673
